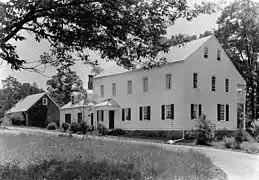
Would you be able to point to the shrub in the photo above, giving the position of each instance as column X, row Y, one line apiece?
column 230, row 142
column 255, row 128
column 117, row 132
column 220, row 134
column 65, row 126
column 73, row 127
column 84, row 128
column 239, row 136
column 17, row 119
column 203, row 131
column 102, row 129
column 52, row 126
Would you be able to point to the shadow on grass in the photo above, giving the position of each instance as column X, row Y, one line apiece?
column 59, row 170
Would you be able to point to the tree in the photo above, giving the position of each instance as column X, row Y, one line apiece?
column 206, row 33
column 121, row 30
column 61, row 85
column 238, row 32
column 96, row 70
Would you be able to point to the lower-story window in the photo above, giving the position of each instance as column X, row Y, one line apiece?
column 167, row 111
column 144, row 113
column 68, row 118
column 196, row 111
column 79, row 117
column 126, row 114
column 100, row 115
column 223, row 112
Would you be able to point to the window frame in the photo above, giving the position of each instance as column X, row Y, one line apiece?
column 218, row 54
column 206, row 52
column 114, row 89
column 195, row 83
column 44, row 101
column 145, row 85
column 213, row 83
column 126, row 114
column 168, row 81
column 198, row 109
column 102, row 90
column 129, row 86
column 79, row 116
column 226, row 85
column 68, row 115
column 145, row 113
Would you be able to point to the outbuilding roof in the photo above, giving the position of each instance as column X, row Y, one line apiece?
column 26, row 103
column 77, row 105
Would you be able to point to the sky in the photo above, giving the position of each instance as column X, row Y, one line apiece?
column 31, row 50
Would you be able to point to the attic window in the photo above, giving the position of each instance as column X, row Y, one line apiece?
column 72, row 99
column 206, row 52
column 44, row 101
column 218, row 55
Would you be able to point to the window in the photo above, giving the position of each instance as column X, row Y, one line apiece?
column 44, row 101
column 167, row 111
column 213, row 83
column 129, row 87
column 79, row 117
column 113, row 89
column 126, row 114
column 218, row 55
column 195, row 80
column 206, row 52
column 145, row 84
column 222, row 109
column 196, row 111
column 68, row 118
column 168, row 81
column 226, row 85
column 144, row 113
column 102, row 90
column 100, row 115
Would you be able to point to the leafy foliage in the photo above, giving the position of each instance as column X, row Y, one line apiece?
column 203, row 131
column 220, row 134
column 16, row 119
column 61, row 85
column 84, row 127
column 120, row 30
column 116, row 132
column 73, row 127
column 102, row 129
column 52, row 126
column 239, row 136
column 255, row 128
column 230, row 142
column 65, row 126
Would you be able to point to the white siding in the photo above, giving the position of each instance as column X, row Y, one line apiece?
column 206, row 68
column 73, row 112
column 156, row 96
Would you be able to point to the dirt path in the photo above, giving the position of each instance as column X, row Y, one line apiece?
column 237, row 165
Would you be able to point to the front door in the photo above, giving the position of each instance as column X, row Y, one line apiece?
column 92, row 119
column 111, row 119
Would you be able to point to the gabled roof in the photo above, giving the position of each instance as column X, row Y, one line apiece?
column 107, row 102
column 26, row 103
column 77, row 105
column 175, row 54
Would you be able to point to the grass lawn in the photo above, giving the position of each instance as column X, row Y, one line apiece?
column 27, row 156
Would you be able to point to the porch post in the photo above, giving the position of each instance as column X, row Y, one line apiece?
column 244, row 116
column 26, row 121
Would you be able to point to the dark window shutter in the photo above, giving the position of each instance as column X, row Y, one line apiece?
column 163, row 112
column 192, row 111
column 218, row 109
column 140, row 113
column 98, row 116
column 200, row 109
column 123, row 114
column 227, row 112
column 172, row 111
column 129, row 114
column 149, row 112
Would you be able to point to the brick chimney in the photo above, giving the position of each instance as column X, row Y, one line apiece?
column 25, row 90
column 90, row 82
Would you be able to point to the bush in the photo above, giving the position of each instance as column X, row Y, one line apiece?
column 65, row 126
column 52, row 126
column 239, row 136
column 84, row 128
column 230, row 142
column 73, row 127
column 17, row 119
column 102, row 129
column 220, row 134
column 255, row 128
column 203, row 131
column 117, row 132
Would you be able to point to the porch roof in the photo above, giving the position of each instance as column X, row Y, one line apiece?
column 107, row 103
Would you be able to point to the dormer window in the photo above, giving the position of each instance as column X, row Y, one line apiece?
column 218, row 55
column 72, row 99
column 44, row 101
column 206, row 52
